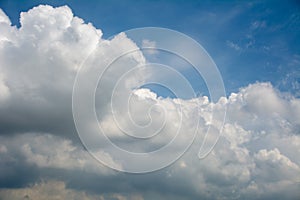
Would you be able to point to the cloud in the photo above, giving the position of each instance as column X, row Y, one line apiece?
column 59, row 153
column 5, row 93
column 45, row 190
column 149, row 46
column 233, row 45
column 260, row 139
column 24, row 156
column 252, row 162
column 257, row 156
column 258, row 25
column 56, row 190
column 3, row 18
column 38, row 64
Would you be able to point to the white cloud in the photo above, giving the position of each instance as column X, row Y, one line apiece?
column 280, row 163
column 257, row 156
column 150, row 47
column 258, row 25
column 38, row 64
column 49, row 151
column 248, row 158
column 3, row 18
column 233, row 45
column 3, row 149
column 4, row 90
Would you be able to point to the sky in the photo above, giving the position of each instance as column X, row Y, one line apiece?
column 57, row 56
column 238, row 35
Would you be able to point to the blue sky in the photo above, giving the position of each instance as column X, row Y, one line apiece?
column 249, row 41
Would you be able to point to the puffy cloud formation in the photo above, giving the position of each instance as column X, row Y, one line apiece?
column 38, row 65
column 256, row 156
column 49, row 151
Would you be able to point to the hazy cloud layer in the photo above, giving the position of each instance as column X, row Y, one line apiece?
column 257, row 156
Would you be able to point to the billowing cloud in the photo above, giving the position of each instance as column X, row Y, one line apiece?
column 49, row 151
column 38, row 64
column 256, row 156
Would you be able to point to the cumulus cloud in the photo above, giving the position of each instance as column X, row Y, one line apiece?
column 59, row 153
column 38, row 64
column 256, row 156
